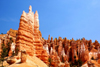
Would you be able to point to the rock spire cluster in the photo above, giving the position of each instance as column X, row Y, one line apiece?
column 29, row 36
column 28, row 41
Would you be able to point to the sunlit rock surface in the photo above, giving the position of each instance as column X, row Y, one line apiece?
column 61, row 51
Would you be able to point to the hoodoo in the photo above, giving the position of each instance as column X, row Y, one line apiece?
column 29, row 35
column 35, row 51
column 25, row 32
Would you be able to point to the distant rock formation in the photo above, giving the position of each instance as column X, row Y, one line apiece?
column 28, row 39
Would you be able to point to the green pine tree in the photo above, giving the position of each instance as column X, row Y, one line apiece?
column 3, row 54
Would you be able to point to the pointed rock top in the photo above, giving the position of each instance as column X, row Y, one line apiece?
column 36, row 13
column 30, row 8
column 23, row 14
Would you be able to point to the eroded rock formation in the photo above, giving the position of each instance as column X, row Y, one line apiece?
column 38, row 46
column 29, row 36
column 25, row 33
column 23, row 56
column 28, row 39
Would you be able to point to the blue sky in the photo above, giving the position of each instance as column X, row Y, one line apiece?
column 66, row 18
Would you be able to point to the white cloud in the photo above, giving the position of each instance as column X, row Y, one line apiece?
column 3, row 19
column 9, row 19
column 94, row 2
column 13, row 19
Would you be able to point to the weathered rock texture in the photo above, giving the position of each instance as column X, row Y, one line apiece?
column 23, row 56
column 29, row 36
column 25, row 33
column 12, row 34
column 11, row 60
column 37, row 42
column 8, row 40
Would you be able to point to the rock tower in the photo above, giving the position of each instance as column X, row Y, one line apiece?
column 37, row 42
column 25, row 32
column 29, row 36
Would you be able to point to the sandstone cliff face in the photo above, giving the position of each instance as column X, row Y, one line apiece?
column 37, row 43
column 28, row 38
column 55, row 59
column 12, row 33
column 44, row 56
column 38, row 46
column 25, row 33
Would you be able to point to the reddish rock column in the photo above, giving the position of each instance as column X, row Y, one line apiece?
column 25, row 33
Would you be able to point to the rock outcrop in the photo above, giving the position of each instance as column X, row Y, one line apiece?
column 12, row 49
column 11, row 60
column 23, row 56
column 29, row 36
column 25, row 33
column 12, row 34
column 28, row 40
column 38, row 46
column 30, row 62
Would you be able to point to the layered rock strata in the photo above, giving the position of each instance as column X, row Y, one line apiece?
column 23, row 56
column 38, row 46
column 25, row 33
column 29, row 36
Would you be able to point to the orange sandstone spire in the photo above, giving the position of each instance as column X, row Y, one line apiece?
column 36, row 13
column 25, row 33
column 29, row 35
column 30, row 8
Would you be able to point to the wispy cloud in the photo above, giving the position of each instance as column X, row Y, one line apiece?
column 95, row 3
column 3, row 19
column 9, row 19
column 13, row 19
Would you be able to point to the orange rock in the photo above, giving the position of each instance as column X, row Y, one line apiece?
column 25, row 33
column 12, row 49
column 48, row 41
column 84, row 53
column 55, row 60
column 60, row 48
column 11, row 60
column 23, row 56
column 10, row 53
column 38, row 46
column 44, row 56
column 99, row 61
column 96, row 44
column 55, row 41
column 67, row 64
column 12, row 33
column 51, row 39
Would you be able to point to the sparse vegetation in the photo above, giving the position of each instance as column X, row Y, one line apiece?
column 3, row 53
column 5, row 50
column 50, row 60
column 92, row 58
column 13, row 54
column 76, row 63
column 16, row 50
column 63, row 59
column 9, row 45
